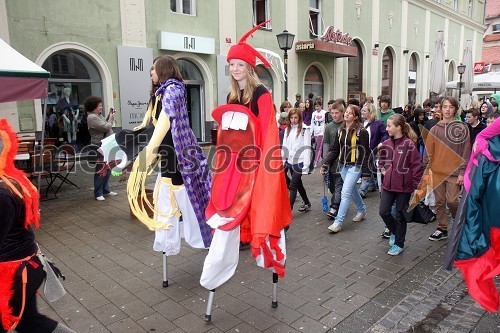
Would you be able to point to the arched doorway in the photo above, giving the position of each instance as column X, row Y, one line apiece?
column 265, row 77
column 387, row 72
column 412, row 79
column 74, row 77
column 450, row 77
column 313, row 82
column 355, row 71
column 195, row 88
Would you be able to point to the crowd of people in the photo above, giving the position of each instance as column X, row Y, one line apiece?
column 383, row 151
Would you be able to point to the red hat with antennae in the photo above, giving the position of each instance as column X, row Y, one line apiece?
column 245, row 51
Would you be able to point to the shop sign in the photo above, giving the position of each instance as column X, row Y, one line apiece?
column 330, row 35
column 304, row 46
column 134, row 64
column 187, row 43
column 479, row 67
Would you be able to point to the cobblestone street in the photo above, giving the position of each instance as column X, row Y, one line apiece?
column 341, row 282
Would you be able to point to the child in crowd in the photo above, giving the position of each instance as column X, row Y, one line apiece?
column 296, row 154
column 318, row 129
column 448, row 177
column 401, row 166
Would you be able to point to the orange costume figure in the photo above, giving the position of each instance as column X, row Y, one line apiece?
column 249, row 198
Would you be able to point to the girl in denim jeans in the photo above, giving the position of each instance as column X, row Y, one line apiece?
column 351, row 147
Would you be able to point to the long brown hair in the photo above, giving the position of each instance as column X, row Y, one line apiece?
column 166, row 67
column 399, row 120
column 292, row 112
column 252, row 84
column 356, row 126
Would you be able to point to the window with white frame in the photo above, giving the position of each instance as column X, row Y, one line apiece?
column 470, row 8
column 455, row 5
column 315, row 19
column 261, row 13
column 495, row 28
column 187, row 7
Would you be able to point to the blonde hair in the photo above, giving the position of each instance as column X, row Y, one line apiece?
column 373, row 112
column 252, row 84
column 399, row 120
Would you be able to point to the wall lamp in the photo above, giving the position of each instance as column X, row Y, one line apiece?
column 446, row 60
column 406, row 51
column 376, row 45
column 427, row 56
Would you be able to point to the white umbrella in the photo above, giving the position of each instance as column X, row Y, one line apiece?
column 437, row 83
column 467, row 77
column 482, row 82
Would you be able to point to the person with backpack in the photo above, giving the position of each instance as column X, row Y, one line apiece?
column 400, row 163
column 352, row 148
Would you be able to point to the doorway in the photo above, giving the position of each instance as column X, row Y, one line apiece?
column 195, row 90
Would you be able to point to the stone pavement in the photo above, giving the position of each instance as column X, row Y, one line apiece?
column 341, row 282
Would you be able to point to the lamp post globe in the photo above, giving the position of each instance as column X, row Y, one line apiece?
column 285, row 42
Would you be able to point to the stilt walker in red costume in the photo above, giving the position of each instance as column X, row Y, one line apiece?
column 249, row 198
column 22, row 268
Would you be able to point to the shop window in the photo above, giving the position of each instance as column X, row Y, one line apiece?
column 315, row 19
column 74, row 77
column 313, row 82
column 412, row 79
column 265, row 77
column 387, row 72
column 355, row 70
column 261, row 13
column 183, row 6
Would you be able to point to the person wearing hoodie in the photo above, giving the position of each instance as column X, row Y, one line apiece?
column 486, row 109
column 448, row 134
column 401, row 166
column 419, row 120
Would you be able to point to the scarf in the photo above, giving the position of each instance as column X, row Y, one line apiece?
column 192, row 163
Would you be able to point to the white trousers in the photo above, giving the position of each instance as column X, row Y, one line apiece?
column 223, row 256
column 172, row 201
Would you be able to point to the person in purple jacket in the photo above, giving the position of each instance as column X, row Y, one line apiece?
column 400, row 163
column 377, row 133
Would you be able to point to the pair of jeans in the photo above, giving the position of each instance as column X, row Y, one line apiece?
column 295, row 183
column 101, row 183
column 350, row 174
column 395, row 222
column 335, row 188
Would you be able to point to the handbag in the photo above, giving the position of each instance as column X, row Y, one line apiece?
column 419, row 214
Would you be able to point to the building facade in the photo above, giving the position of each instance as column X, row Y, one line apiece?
column 491, row 40
column 343, row 48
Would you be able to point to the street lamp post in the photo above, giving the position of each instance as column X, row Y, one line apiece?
column 461, row 70
column 285, row 42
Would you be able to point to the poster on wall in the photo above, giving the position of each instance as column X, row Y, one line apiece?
column 134, row 64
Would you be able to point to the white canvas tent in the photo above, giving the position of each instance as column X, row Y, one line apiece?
column 20, row 78
column 482, row 82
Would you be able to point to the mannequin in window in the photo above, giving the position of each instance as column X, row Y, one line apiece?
column 64, row 105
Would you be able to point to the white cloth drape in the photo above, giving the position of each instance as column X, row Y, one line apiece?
column 437, row 83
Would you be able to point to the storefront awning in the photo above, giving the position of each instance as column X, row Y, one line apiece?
column 322, row 47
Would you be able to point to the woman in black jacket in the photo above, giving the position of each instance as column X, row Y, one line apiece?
column 351, row 147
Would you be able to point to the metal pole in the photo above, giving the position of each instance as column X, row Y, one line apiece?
column 285, row 58
column 460, row 91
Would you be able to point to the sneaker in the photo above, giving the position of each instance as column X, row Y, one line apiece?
column 100, row 198
column 335, row 227
column 358, row 181
column 392, row 240
column 438, row 235
column 304, row 207
column 111, row 194
column 332, row 213
column 386, row 233
column 362, row 194
column 359, row 216
column 395, row 250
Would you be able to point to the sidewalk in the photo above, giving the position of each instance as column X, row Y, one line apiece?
column 341, row 282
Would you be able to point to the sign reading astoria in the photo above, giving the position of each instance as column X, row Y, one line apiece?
column 330, row 35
